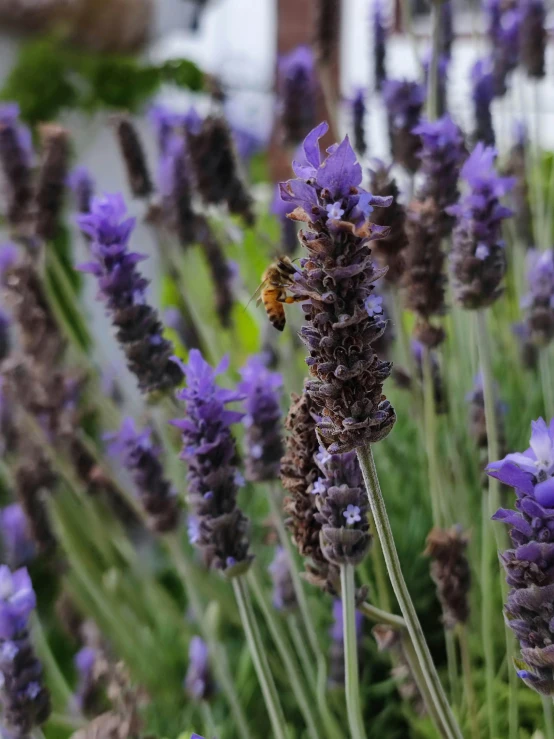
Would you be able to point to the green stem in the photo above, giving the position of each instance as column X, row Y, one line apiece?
column 430, row 418
column 208, row 718
column 468, row 681
column 351, row 667
column 483, row 343
column 382, row 617
column 259, row 658
column 452, row 661
column 309, row 626
column 441, row 707
column 546, row 381
column 548, row 717
column 433, row 75
column 419, row 679
column 54, row 675
column 487, row 620
column 300, row 645
column 283, row 647
column 379, row 571
column 218, row 656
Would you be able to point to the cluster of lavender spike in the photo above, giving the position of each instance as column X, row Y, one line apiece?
column 404, row 102
column 297, row 94
column 122, row 288
column 529, row 573
column 539, row 302
column 337, row 278
column 221, row 529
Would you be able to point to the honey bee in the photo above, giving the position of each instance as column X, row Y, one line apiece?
column 273, row 291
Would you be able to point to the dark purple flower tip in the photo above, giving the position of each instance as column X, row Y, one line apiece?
column 84, row 660
column 441, row 134
column 403, row 99
column 81, row 183
column 17, row 600
column 165, row 120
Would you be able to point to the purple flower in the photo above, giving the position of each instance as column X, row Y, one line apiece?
column 248, row 143
column 17, row 544
column 85, row 693
column 289, row 236
column 530, row 564
column 539, row 301
column 503, row 30
column 296, row 89
column 141, row 458
column 404, row 102
column 358, row 121
column 482, row 81
column 166, row 121
column 284, row 595
column 342, row 506
column 17, row 600
column 81, row 183
column 379, row 35
column 478, row 273
column 16, row 160
column 209, row 449
column 25, row 701
column 264, row 444
column 338, row 277
column 175, row 186
column 198, row 681
column 442, row 155
column 123, row 289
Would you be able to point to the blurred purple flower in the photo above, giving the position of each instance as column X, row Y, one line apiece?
column 123, row 289
column 284, row 595
column 81, row 183
column 296, row 90
column 209, row 449
column 199, row 681
column 477, row 258
column 379, row 37
column 289, row 235
column 482, row 94
column 404, row 102
column 141, row 459
column 358, row 112
column 16, row 153
column 264, row 444
column 17, row 543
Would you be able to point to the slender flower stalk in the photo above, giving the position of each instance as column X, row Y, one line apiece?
column 352, row 669
column 447, row 723
column 379, row 38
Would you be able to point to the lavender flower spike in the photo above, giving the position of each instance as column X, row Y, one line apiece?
column 209, row 449
column 17, row 544
column 404, row 102
column 284, row 595
column 122, row 288
column 199, row 681
column 15, row 161
column 478, row 260
column 530, row 564
column 25, row 700
column 141, row 458
column 482, row 94
column 379, row 33
column 342, row 504
column 338, row 278
column 539, row 302
column 442, row 155
column 262, row 421
column 358, row 122
column 297, row 83
column 81, row 183
column 533, row 37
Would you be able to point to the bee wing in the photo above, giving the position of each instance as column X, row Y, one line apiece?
column 256, row 294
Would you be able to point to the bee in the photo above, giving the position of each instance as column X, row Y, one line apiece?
column 273, row 291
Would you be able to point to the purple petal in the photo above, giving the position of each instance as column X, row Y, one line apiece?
column 544, row 492
column 340, row 171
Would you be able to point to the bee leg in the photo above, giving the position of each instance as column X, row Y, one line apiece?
column 292, row 299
